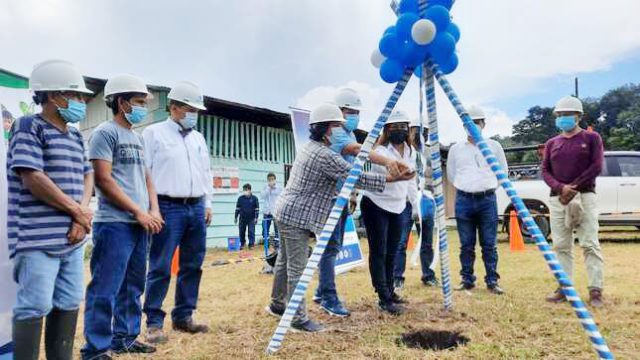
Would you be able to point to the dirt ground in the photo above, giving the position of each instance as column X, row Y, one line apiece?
column 517, row 325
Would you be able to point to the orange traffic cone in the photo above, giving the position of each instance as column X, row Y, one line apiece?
column 175, row 262
column 516, row 242
column 410, row 243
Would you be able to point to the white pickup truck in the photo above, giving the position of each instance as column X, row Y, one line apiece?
column 618, row 189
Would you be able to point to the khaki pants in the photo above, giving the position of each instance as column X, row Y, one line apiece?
column 587, row 233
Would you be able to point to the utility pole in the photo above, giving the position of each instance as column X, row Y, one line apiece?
column 577, row 93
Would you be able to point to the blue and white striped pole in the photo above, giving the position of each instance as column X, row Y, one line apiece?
column 438, row 192
column 566, row 284
column 334, row 216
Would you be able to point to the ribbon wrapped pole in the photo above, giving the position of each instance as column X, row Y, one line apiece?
column 343, row 199
column 597, row 341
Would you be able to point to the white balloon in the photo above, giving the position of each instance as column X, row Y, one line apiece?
column 377, row 58
column 423, row 32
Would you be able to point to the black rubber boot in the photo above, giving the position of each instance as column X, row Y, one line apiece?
column 26, row 339
column 60, row 330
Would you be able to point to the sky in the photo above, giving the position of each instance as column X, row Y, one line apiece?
column 514, row 54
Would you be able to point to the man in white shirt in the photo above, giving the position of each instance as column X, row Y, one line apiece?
column 177, row 156
column 476, row 207
column 268, row 198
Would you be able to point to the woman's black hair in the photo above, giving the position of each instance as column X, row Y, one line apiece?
column 113, row 102
column 318, row 131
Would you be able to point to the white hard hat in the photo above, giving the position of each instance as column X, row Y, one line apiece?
column 57, row 75
column 188, row 93
column 398, row 116
column 326, row 112
column 348, row 98
column 476, row 113
column 416, row 123
column 569, row 103
column 124, row 83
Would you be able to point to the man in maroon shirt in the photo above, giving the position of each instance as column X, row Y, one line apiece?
column 572, row 161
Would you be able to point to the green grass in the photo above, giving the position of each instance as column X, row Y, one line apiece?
column 517, row 325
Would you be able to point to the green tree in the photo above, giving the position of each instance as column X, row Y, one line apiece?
column 625, row 134
column 536, row 128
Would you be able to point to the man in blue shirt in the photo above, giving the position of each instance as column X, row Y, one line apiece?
column 247, row 208
column 50, row 185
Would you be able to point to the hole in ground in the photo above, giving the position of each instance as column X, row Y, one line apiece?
column 432, row 339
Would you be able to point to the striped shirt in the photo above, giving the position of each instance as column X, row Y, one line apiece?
column 37, row 145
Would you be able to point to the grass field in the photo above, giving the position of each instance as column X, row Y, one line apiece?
column 517, row 325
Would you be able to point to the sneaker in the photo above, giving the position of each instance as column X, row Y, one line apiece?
column 189, row 326
column 137, row 347
column 317, row 298
column 465, row 286
column 595, row 298
column 274, row 310
column 335, row 308
column 495, row 289
column 391, row 308
column 431, row 283
column 396, row 299
column 155, row 335
column 104, row 356
column 307, row 326
column 556, row 297
column 398, row 284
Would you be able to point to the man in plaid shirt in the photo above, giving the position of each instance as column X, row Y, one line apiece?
column 305, row 204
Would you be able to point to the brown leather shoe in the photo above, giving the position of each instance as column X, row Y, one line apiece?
column 156, row 336
column 595, row 298
column 190, row 327
column 556, row 297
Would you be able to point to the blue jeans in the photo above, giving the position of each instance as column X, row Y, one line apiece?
column 184, row 226
column 400, row 261
column 477, row 214
column 251, row 225
column 47, row 281
column 426, row 248
column 267, row 220
column 327, row 273
column 112, row 309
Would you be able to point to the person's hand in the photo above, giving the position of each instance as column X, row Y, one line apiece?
column 568, row 193
column 208, row 216
column 392, row 168
column 83, row 216
column 149, row 222
column 235, row 221
column 353, row 204
column 402, row 166
column 76, row 233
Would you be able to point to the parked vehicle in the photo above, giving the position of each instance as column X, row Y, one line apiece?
column 618, row 189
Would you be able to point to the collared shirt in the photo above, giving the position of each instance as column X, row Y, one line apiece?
column 247, row 207
column 395, row 195
column 467, row 169
column 180, row 165
column 269, row 197
column 307, row 200
column 37, row 145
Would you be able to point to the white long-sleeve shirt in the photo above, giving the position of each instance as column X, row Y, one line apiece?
column 467, row 169
column 180, row 166
column 396, row 194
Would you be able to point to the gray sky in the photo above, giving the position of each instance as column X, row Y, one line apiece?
column 276, row 53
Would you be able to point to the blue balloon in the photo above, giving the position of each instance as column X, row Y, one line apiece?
column 439, row 15
column 391, row 71
column 448, row 66
column 418, row 71
column 446, row 3
column 413, row 54
column 390, row 30
column 442, row 47
column 454, row 30
column 408, row 6
column 390, row 46
column 404, row 24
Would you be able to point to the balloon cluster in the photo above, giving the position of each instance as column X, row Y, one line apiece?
column 416, row 37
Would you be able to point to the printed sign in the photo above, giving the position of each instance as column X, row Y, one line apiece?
column 226, row 180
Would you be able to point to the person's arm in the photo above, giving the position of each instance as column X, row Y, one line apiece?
column 257, row 209
column 393, row 166
column 154, row 207
column 597, row 160
column 451, row 165
column 547, row 170
column 77, row 232
column 149, row 144
column 235, row 217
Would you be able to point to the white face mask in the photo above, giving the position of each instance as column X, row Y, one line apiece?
column 247, row 193
column 272, row 183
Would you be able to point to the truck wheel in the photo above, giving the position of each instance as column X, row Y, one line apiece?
column 543, row 223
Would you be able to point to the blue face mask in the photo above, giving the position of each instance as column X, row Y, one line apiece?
column 189, row 121
column 137, row 114
column 566, row 123
column 339, row 139
column 352, row 122
column 75, row 111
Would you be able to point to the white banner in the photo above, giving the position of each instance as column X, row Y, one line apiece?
column 226, row 180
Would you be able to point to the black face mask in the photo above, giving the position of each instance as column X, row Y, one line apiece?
column 397, row 137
